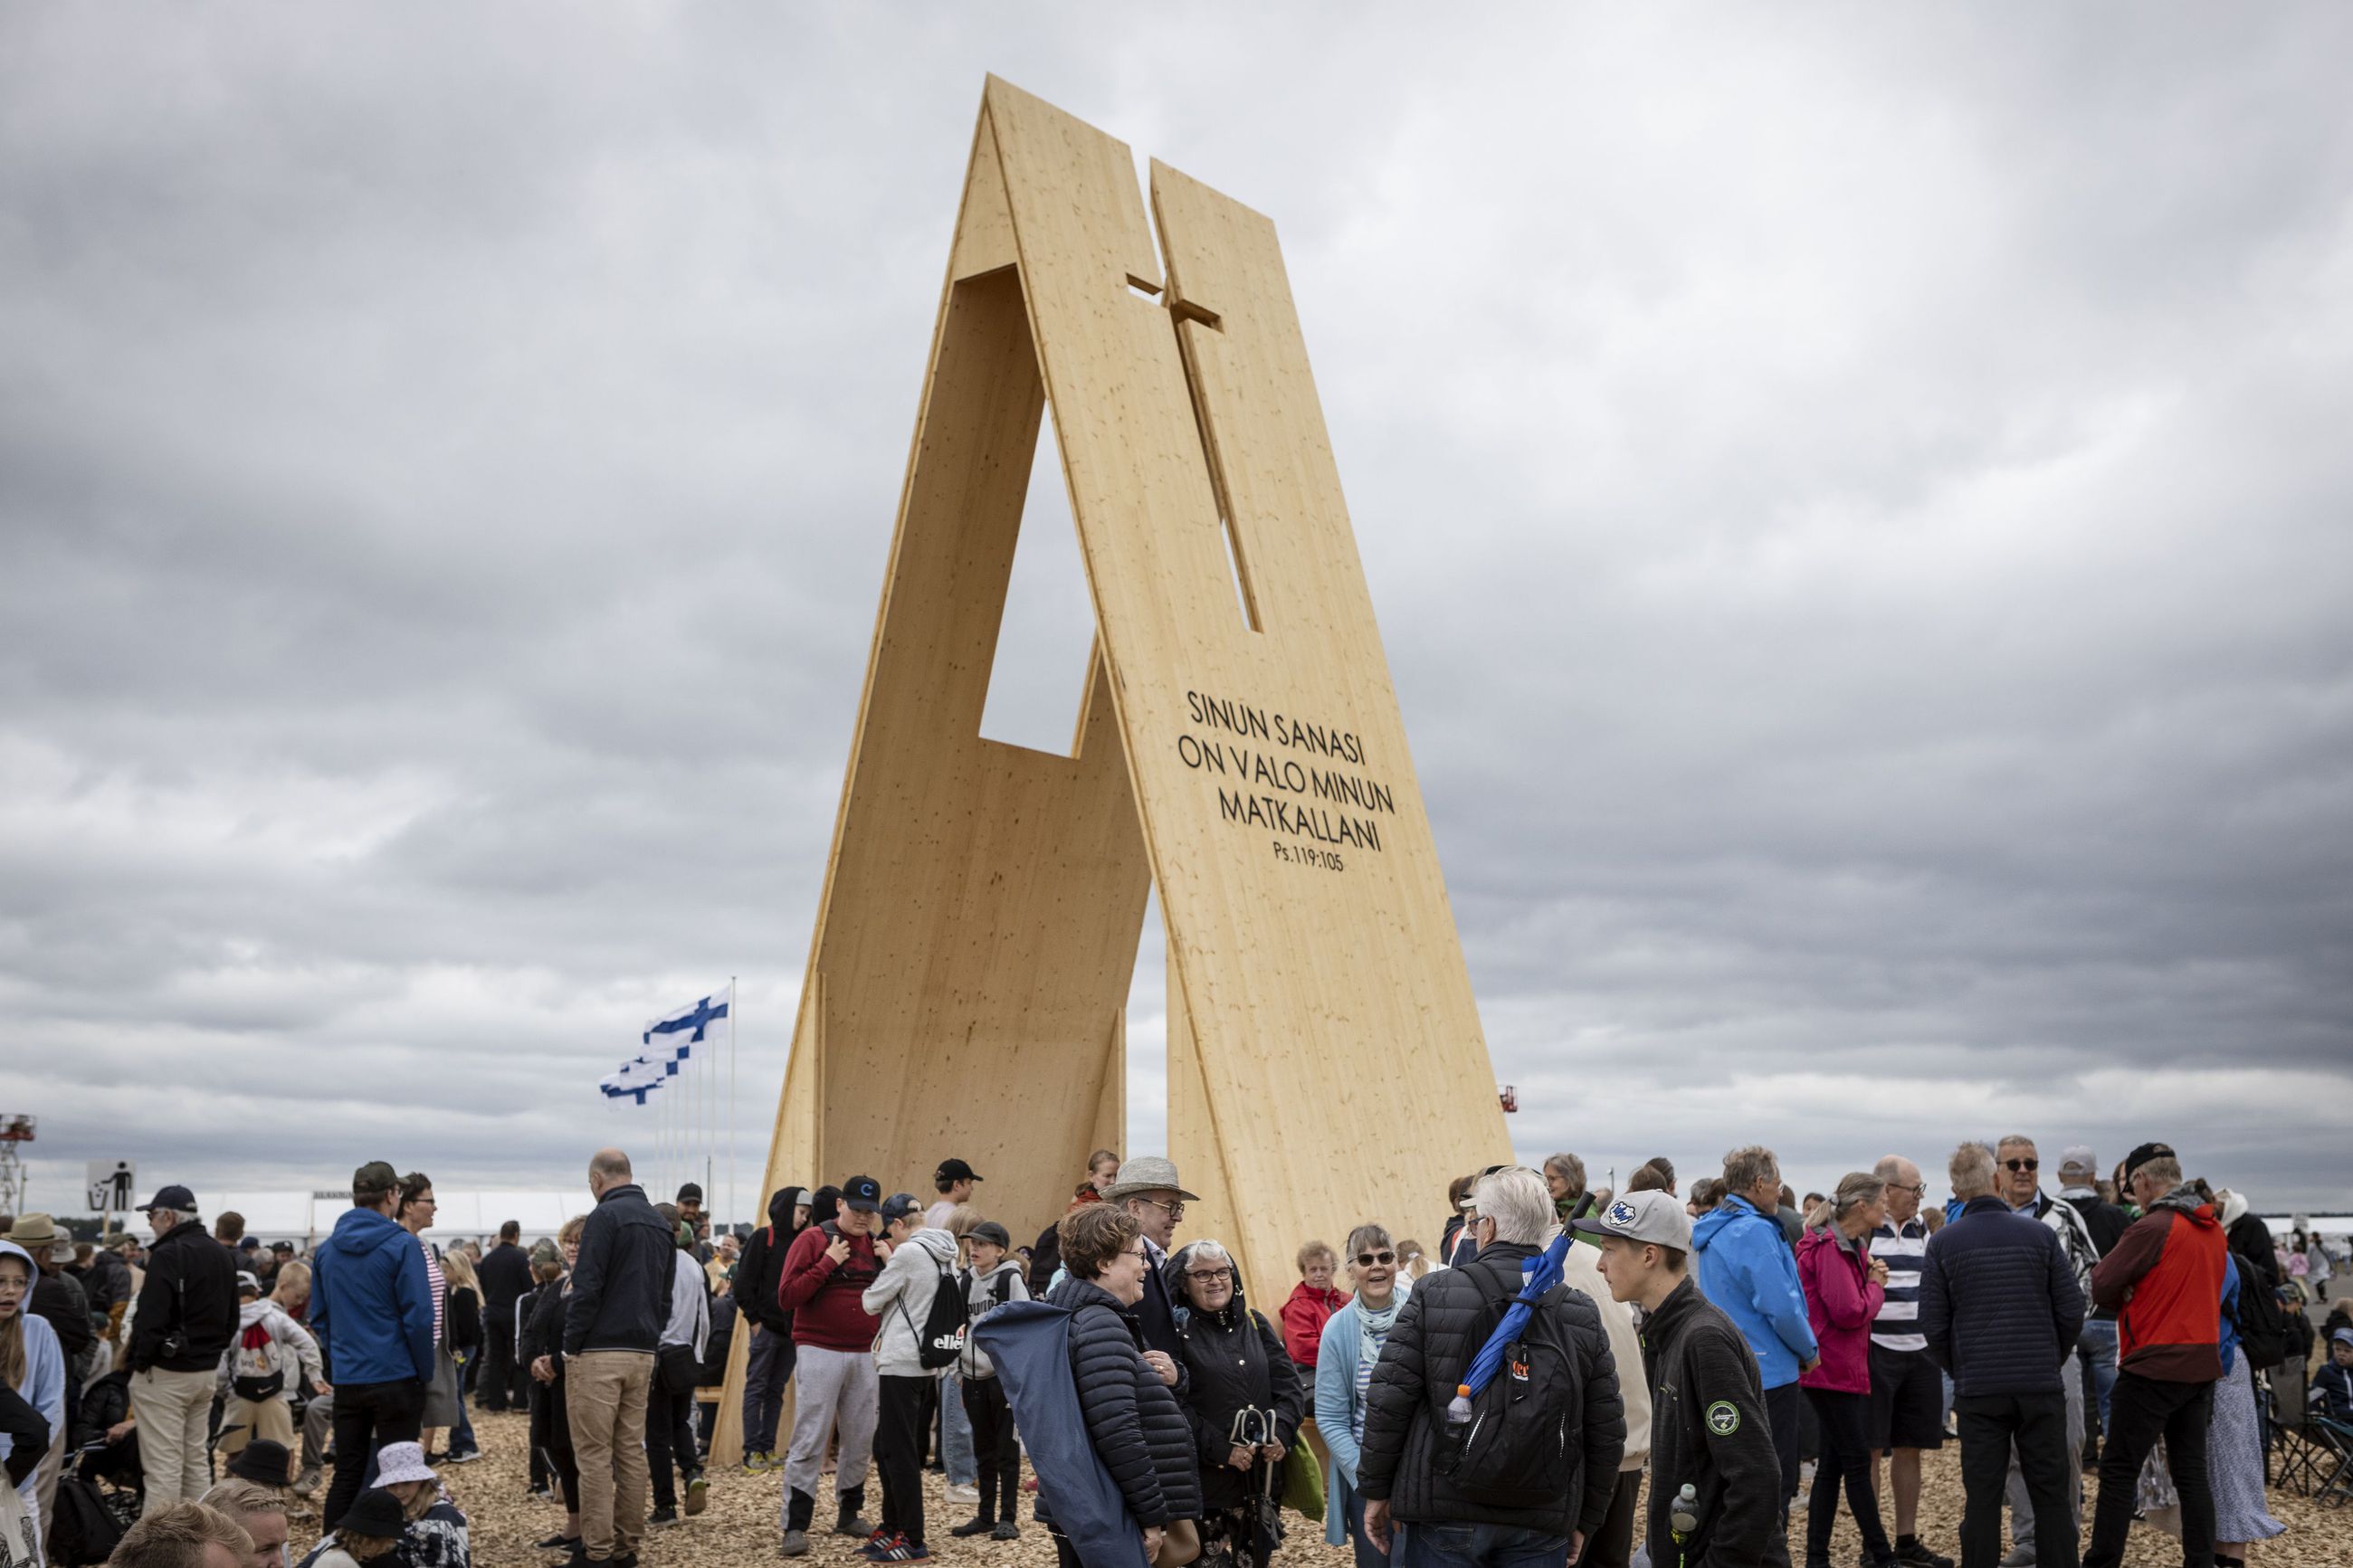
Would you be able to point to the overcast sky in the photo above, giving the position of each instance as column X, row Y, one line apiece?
column 1857, row 500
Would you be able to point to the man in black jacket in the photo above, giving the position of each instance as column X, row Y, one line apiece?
column 620, row 1299
column 2000, row 1311
column 505, row 1274
column 1407, row 1472
column 769, row 1364
column 186, row 1319
column 1710, row 1428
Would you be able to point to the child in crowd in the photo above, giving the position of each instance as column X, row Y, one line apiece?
column 994, row 1279
column 2332, row 1385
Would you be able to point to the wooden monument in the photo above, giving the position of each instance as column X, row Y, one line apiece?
column 1239, row 746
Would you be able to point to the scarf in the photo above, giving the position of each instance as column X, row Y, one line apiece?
column 1372, row 1333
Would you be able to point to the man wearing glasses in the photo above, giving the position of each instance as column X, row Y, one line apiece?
column 1147, row 1191
column 1908, row 1391
column 2018, row 1180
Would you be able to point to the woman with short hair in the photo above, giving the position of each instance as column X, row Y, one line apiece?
column 1133, row 1420
column 541, row 1346
column 1351, row 1344
column 1241, row 1395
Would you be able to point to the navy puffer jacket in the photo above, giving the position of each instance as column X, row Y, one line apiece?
column 1439, row 1331
column 1999, row 1304
column 1133, row 1419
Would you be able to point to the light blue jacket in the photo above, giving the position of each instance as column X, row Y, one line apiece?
column 44, row 1387
column 1747, row 1270
column 1336, row 1356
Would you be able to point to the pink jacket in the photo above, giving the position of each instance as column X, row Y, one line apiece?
column 1840, row 1302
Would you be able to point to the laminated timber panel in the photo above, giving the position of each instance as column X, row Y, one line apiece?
column 1315, row 976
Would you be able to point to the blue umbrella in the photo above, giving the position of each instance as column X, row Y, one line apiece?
column 1543, row 1273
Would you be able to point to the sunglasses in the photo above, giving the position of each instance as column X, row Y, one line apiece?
column 1366, row 1259
column 2023, row 1164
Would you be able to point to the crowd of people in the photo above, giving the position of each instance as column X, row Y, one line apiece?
column 1501, row 1401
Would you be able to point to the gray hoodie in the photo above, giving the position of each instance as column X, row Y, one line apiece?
column 901, row 1296
column 980, row 1300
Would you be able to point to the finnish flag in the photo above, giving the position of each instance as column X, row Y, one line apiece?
column 688, row 1026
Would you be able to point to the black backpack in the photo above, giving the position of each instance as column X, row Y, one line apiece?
column 1525, row 1435
column 80, row 1529
column 940, row 1341
column 2261, row 1323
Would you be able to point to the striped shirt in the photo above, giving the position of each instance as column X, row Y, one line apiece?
column 433, row 1282
column 1900, row 1246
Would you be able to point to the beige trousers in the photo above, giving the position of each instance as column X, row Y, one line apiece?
column 171, row 1408
column 606, row 1392
column 245, row 1420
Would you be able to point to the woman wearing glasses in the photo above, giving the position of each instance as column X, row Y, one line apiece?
column 1344, row 1369
column 1133, row 1423
column 1242, row 1398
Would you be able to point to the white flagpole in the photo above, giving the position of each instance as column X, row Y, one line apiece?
column 735, row 1198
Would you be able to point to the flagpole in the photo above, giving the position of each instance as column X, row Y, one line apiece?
column 735, row 1198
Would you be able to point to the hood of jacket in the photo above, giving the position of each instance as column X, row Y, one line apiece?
column 1828, row 1236
column 253, row 1312
column 1717, row 1220
column 1172, row 1279
column 10, row 1249
column 359, row 1232
column 938, row 1243
column 780, row 1209
column 2184, row 1200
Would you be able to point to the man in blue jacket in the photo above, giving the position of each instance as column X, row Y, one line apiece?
column 373, row 1311
column 1748, row 1271
column 620, row 1302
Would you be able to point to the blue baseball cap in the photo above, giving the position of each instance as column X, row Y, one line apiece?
column 864, row 1193
column 901, row 1205
column 175, row 1197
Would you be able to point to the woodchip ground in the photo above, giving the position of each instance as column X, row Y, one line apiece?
column 740, row 1523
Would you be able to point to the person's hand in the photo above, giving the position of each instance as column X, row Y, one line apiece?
column 1240, row 1459
column 1576, row 1547
column 755, row 1331
column 1153, row 1536
column 119, row 1430
column 838, row 1250
column 1158, row 1362
column 544, row 1369
column 322, row 1389
column 1377, row 1524
column 1879, row 1271
column 1273, row 1452
column 1809, row 1364
column 882, row 1247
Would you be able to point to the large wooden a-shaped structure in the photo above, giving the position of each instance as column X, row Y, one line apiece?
column 1239, row 746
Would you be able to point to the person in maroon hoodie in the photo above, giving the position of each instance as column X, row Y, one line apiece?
column 837, row 1390
column 1845, row 1287
column 2164, row 1281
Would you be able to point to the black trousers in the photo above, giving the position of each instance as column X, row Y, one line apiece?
column 367, row 1417
column 551, row 1441
column 2140, row 1411
column 669, row 1423
column 1612, row 1545
column 901, row 1435
column 1843, row 1424
column 1782, row 1406
column 501, row 1383
column 2037, row 1423
column 996, row 1447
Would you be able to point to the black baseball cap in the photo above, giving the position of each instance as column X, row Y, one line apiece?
column 375, row 1176
column 955, row 1171
column 2144, row 1154
column 281, row 1247
column 864, row 1193
column 990, row 1230
column 900, row 1206
column 691, row 1190
column 172, row 1198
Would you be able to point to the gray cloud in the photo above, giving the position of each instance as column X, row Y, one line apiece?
column 1855, row 501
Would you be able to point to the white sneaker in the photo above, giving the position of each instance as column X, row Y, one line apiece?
column 963, row 1494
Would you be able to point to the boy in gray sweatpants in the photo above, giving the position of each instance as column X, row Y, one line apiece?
column 837, row 1388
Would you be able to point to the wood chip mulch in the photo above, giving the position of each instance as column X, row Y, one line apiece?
column 740, row 1523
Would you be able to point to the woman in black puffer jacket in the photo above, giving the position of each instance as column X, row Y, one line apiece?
column 1234, row 1362
column 1133, row 1420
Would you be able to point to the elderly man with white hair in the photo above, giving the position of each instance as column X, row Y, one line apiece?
column 1514, row 1497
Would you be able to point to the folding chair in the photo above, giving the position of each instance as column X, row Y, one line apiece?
column 2294, row 1452
column 2337, row 1438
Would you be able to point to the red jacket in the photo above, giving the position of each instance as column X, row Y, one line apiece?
column 2163, row 1279
column 1840, row 1302
column 1304, row 1317
column 822, row 1297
